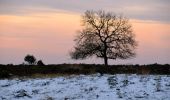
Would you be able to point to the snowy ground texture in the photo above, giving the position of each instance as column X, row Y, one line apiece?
column 88, row 87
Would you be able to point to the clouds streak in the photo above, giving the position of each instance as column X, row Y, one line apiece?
column 135, row 9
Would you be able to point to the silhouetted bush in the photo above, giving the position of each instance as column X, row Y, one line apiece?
column 40, row 63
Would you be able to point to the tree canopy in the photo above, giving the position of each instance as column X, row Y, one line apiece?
column 30, row 59
column 105, row 35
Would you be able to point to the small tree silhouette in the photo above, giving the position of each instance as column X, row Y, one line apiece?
column 30, row 59
column 40, row 63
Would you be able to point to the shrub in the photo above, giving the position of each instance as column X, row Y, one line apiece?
column 40, row 63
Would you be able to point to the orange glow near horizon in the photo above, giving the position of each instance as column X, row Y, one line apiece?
column 20, row 31
column 53, row 33
column 51, row 23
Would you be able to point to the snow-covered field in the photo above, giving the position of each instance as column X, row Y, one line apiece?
column 88, row 87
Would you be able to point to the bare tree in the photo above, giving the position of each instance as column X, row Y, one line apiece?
column 106, row 35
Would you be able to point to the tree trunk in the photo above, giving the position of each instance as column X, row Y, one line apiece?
column 105, row 54
column 106, row 61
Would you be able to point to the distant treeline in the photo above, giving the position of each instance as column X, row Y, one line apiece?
column 67, row 69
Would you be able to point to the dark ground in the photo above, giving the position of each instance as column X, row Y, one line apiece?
column 7, row 71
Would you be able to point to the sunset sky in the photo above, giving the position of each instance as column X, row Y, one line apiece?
column 46, row 29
